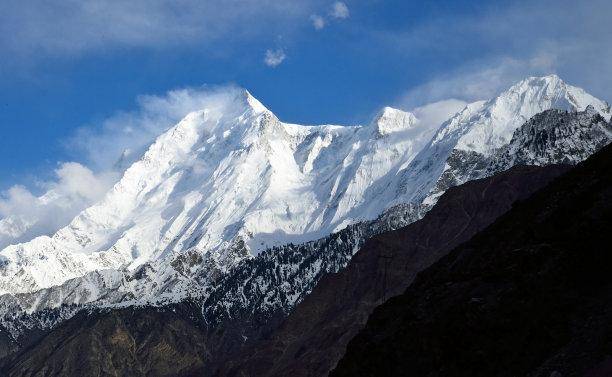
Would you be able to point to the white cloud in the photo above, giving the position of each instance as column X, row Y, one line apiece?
column 496, row 46
column 75, row 180
column 318, row 22
column 273, row 58
column 432, row 115
column 339, row 10
column 61, row 27
column 23, row 215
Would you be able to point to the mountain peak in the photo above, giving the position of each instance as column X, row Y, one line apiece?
column 494, row 124
column 391, row 120
column 253, row 102
column 546, row 84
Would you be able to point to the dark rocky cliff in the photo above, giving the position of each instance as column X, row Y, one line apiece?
column 530, row 295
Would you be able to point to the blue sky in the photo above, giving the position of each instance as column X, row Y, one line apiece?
column 68, row 68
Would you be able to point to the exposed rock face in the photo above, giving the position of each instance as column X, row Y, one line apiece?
column 530, row 295
column 7, row 344
column 550, row 137
column 555, row 136
column 313, row 338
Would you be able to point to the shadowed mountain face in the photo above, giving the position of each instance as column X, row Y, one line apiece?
column 314, row 336
column 530, row 295
column 7, row 344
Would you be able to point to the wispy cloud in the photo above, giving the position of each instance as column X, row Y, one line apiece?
column 478, row 81
column 339, row 10
column 59, row 27
column 23, row 215
column 124, row 135
column 274, row 58
column 433, row 114
column 318, row 22
column 504, row 44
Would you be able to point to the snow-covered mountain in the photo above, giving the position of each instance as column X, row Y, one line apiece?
column 232, row 180
column 479, row 130
column 224, row 178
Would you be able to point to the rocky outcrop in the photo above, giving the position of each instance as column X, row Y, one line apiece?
column 550, row 137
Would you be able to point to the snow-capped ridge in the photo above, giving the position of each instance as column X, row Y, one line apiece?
column 231, row 180
column 479, row 130
column 228, row 174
